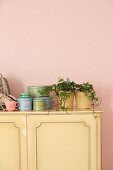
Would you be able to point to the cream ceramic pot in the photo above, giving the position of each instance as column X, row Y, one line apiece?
column 82, row 102
column 69, row 101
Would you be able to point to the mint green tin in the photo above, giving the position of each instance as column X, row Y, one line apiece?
column 35, row 91
column 42, row 103
column 24, row 95
column 39, row 104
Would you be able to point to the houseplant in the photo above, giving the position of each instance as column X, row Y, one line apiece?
column 64, row 90
column 85, row 96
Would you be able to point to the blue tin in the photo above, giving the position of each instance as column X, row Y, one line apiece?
column 25, row 104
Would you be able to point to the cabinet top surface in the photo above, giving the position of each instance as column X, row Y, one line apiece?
column 50, row 112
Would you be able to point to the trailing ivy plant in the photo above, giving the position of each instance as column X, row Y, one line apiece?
column 63, row 89
column 46, row 91
column 89, row 91
column 64, row 85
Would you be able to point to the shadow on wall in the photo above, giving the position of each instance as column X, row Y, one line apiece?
column 16, row 86
column 107, row 132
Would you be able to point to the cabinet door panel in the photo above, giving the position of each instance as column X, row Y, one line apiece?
column 62, row 146
column 62, row 143
column 13, row 143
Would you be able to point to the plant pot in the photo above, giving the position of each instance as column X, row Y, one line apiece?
column 68, row 103
column 82, row 102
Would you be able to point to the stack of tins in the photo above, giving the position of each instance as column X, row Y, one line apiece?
column 40, row 101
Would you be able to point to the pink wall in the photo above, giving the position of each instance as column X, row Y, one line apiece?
column 42, row 40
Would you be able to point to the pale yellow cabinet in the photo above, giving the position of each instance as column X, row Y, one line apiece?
column 13, row 148
column 32, row 141
column 64, row 142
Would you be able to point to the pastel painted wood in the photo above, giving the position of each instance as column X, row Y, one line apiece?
column 55, row 140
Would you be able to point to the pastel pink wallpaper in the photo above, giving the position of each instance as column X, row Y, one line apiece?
column 41, row 40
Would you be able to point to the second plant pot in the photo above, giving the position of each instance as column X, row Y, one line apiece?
column 82, row 101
